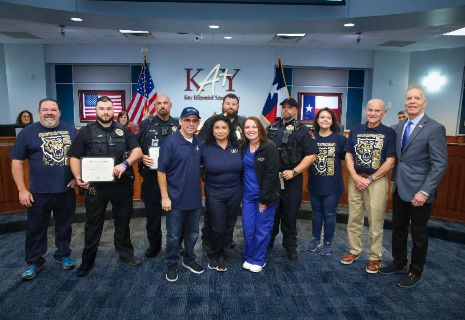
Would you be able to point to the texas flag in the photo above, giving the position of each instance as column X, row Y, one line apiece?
column 312, row 103
column 278, row 92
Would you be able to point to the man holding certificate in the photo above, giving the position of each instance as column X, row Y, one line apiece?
column 153, row 133
column 101, row 159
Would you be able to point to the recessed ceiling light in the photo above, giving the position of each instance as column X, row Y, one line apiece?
column 350, row 24
column 134, row 31
column 291, row 34
column 214, row 26
column 228, row 37
column 76, row 19
column 458, row 32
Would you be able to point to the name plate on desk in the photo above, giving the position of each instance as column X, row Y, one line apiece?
column 154, row 153
column 97, row 169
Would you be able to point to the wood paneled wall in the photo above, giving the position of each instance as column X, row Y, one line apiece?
column 450, row 202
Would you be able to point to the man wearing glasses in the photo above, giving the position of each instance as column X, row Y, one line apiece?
column 181, row 194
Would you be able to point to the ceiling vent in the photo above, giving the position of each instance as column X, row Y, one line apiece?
column 138, row 35
column 396, row 43
column 278, row 38
column 20, row 35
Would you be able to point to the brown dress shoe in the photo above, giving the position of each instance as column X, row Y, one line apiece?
column 349, row 258
column 373, row 266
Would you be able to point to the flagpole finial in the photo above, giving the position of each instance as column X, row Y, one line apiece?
column 144, row 51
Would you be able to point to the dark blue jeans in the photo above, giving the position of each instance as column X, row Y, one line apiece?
column 179, row 222
column 324, row 213
column 63, row 206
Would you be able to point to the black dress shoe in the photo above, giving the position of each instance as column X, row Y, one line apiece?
column 292, row 254
column 84, row 270
column 152, row 252
column 410, row 280
column 131, row 260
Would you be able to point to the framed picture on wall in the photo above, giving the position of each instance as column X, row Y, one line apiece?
column 311, row 102
column 88, row 101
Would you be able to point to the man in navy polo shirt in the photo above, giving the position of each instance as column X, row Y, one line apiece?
column 370, row 155
column 45, row 144
column 179, row 181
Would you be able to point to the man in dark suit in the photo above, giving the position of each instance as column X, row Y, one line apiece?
column 421, row 163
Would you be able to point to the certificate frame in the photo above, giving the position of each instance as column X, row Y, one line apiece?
column 302, row 96
column 100, row 172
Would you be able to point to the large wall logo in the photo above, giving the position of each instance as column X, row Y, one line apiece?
column 199, row 85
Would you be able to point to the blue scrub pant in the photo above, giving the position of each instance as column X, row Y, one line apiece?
column 181, row 222
column 63, row 206
column 324, row 213
column 257, row 230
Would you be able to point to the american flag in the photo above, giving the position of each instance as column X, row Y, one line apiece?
column 143, row 101
column 89, row 101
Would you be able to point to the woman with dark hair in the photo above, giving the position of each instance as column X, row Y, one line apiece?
column 222, row 166
column 124, row 120
column 325, row 183
column 24, row 118
column 260, row 193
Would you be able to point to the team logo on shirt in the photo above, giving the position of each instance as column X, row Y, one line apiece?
column 119, row 132
column 234, row 150
column 324, row 164
column 174, row 128
column 55, row 146
column 368, row 150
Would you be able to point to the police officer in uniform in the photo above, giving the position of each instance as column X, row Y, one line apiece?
column 106, row 138
column 297, row 151
column 153, row 132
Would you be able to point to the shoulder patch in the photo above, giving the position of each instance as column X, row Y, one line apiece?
column 310, row 134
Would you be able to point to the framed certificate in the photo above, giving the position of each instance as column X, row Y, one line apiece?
column 154, row 153
column 97, row 169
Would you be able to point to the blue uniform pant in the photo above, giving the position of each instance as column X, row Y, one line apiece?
column 224, row 209
column 257, row 228
column 150, row 192
column 181, row 222
column 324, row 213
column 63, row 206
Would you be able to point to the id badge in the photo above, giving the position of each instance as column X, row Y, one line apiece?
column 154, row 143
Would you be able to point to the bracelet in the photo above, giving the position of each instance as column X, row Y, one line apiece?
column 294, row 173
column 125, row 164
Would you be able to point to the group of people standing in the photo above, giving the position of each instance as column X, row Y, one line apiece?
column 241, row 163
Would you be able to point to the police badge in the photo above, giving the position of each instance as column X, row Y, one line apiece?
column 174, row 128
column 119, row 132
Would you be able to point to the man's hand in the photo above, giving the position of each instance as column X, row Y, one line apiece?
column 361, row 183
column 119, row 170
column 166, row 204
column 25, row 198
column 147, row 161
column 82, row 184
column 288, row 174
column 419, row 199
column 261, row 207
column 72, row 184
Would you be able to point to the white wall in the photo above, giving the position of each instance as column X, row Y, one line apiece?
column 4, row 103
column 25, row 71
column 444, row 105
column 390, row 79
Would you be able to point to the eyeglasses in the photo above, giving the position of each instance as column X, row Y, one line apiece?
column 193, row 121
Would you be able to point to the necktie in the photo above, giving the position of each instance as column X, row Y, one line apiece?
column 406, row 135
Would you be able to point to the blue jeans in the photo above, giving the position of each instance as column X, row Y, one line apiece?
column 185, row 222
column 324, row 212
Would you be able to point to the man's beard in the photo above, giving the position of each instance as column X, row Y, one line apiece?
column 287, row 117
column 50, row 123
column 230, row 113
column 110, row 119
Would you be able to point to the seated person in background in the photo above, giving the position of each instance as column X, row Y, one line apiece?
column 124, row 120
column 24, row 118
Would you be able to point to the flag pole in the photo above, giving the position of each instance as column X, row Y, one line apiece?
column 144, row 52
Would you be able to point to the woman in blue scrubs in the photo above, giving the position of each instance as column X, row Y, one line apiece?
column 260, row 193
column 222, row 165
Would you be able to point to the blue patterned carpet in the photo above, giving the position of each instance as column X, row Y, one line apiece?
column 313, row 287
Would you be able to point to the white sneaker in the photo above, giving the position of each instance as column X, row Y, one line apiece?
column 256, row 268
column 247, row 265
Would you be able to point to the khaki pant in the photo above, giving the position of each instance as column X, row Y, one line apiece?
column 372, row 200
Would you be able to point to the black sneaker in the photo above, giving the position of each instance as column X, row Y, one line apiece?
column 393, row 269
column 131, row 260
column 212, row 265
column 171, row 274
column 410, row 280
column 84, row 270
column 222, row 266
column 193, row 266
column 292, row 254
column 152, row 251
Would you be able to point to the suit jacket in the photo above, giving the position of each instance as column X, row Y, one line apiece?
column 423, row 162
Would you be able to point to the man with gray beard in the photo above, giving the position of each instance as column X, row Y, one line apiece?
column 45, row 144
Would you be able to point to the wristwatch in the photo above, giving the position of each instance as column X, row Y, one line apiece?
column 125, row 163
column 294, row 173
column 370, row 177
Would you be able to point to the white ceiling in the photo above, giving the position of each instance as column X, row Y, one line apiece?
column 424, row 28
